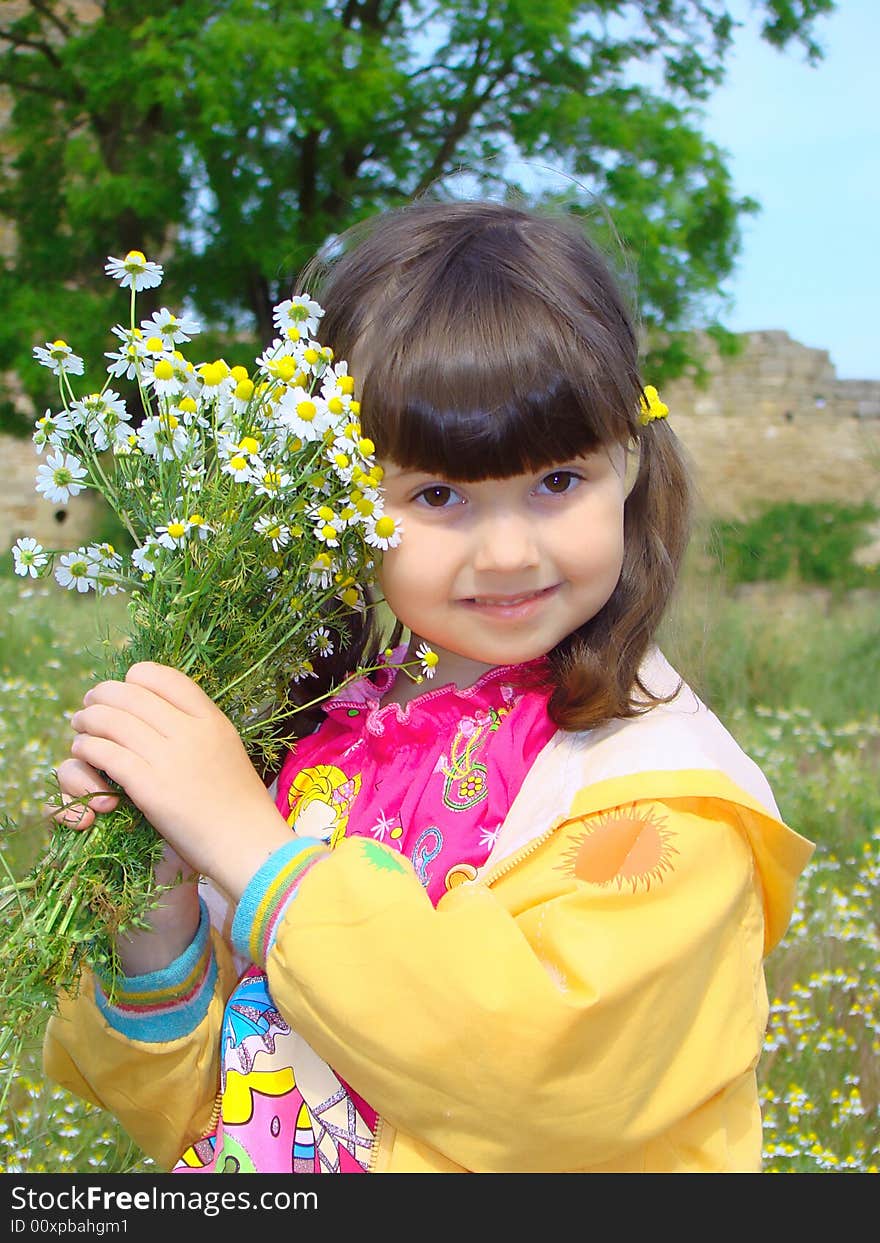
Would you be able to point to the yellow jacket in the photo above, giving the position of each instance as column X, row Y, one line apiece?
column 593, row 1001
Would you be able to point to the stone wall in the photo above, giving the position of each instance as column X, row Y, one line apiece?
column 775, row 423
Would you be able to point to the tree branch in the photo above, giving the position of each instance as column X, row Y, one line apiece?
column 41, row 7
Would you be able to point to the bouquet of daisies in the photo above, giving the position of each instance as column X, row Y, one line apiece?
column 253, row 504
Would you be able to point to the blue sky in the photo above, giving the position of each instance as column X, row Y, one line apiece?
column 805, row 142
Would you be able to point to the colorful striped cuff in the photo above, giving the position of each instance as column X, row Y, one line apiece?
column 270, row 892
column 164, row 1005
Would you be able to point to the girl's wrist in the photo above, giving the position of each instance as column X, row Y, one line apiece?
column 173, row 924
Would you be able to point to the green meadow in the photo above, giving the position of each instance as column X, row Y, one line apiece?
column 791, row 667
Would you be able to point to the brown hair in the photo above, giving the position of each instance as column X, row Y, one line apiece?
column 492, row 341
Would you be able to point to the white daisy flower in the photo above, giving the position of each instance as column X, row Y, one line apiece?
column 196, row 524
column 171, row 328
column 59, row 358
column 305, row 669
column 76, row 571
column 327, row 531
column 241, row 467
column 163, row 436
column 127, row 360
column 271, row 481
column 146, row 558
column 299, row 312
column 58, row 477
column 134, row 271
column 52, row 429
column 275, row 531
column 163, row 378
column 104, row 417
column 321, row 571
column 383, row 532
column 29, row 557
column 173, row 534
column 429, row 659
column 321, row 641
column 107, row 563
column 304, row 414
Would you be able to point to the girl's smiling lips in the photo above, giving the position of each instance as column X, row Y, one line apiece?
column 518, row 605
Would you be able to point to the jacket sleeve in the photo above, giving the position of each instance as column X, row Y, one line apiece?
column 163, row 1091
column 576, row 1006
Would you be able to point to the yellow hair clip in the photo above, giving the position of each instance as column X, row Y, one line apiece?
column 651, row 406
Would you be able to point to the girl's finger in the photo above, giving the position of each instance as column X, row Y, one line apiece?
column 136, row 700
column 172, row 685
column 118, row 762
column 119, row 726
column 77, row 781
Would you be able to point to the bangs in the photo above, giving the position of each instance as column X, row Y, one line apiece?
column 488, row 343
column 488, row 396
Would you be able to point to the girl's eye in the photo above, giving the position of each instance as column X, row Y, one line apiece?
column 559, row 482
column 436, row 497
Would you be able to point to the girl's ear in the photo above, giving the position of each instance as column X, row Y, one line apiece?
column 633, row 461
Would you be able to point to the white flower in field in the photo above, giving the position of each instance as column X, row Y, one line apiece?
column 321, row 641
column 271, row 480
column 58, row 477
column 327, row 529
column 105, row 418
column 242, row 467
column 197, row 525
column 173, row 329
column 107, row 563
column 321, row 571
column 275, row 531
column 163, row 378
column 76, row 571
column 29, row 557
column 304, row 669
column 304, row 414
column 429, row 659
column 299, row 312
column 59, row 358
column 146, row 558
column 127, row 360
column 173, row 534
column 52, row 429
column 134, row 271
column 163, row 435
column 383, row 532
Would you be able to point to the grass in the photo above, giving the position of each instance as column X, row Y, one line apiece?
column 795, row 674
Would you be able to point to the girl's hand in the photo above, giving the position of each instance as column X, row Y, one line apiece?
column 181, row 761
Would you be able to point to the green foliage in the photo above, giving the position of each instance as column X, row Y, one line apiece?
column 793, row 541
column 241, row 136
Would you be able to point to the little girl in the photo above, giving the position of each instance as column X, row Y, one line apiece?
column 514, row 922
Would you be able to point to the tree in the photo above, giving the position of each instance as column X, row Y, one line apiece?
column 239, row 135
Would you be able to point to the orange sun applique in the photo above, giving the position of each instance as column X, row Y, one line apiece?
column 628, row 845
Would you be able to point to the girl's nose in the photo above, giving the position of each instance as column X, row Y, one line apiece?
column 506, row 543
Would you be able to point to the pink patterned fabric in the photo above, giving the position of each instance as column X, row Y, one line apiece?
column 434, row 780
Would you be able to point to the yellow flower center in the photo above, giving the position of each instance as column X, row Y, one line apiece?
column 135, row 259
column 431, row 659
column 188, row 405
column 248, row 445
column 306, row 410
column 349, row 597
column 238, row 462
column 326, row 513
column 272, row 479
column 155, row 343
column 385, row 527
column 164, row 370
column 283, row 368
column 335, row 406
column 328, row 531
column 196, row 520
column 311, row 356
column 341, row 460
column 365, row 507
column 367, row 447
column 346, row 384
column 292, row 334
column 176, row 529
column 239, row 373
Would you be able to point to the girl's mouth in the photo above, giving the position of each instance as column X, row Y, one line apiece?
column 510, row 606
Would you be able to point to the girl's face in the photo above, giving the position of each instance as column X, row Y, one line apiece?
column 498, row 572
